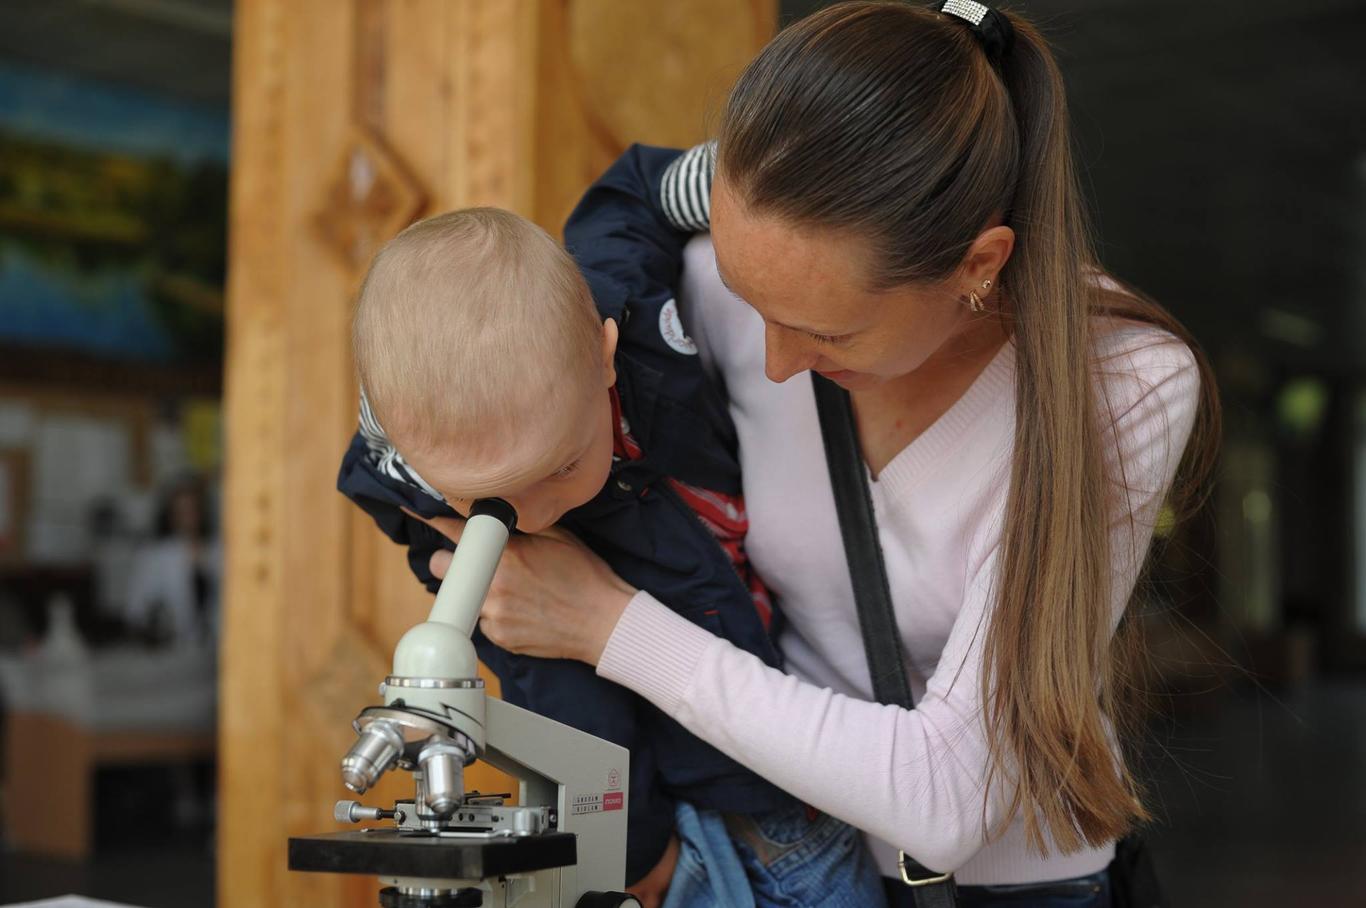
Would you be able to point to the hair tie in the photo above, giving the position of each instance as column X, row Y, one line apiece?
column 992, row 28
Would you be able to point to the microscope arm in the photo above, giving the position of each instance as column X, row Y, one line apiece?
column 581, row 775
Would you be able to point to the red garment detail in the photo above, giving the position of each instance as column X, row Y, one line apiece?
column 724, row 515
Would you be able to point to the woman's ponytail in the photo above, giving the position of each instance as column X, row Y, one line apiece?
column 1048, row 643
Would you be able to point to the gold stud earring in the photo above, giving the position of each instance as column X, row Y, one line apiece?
column 974, row 301
column 986, row 284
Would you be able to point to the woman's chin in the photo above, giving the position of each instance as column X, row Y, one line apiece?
column 850, row 381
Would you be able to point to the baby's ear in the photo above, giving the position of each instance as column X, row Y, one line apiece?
column 609, row 351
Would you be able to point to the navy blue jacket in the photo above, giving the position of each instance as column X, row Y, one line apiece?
column 629, row 253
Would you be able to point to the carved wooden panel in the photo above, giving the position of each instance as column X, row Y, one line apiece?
column 369, row 197
column 351, row 118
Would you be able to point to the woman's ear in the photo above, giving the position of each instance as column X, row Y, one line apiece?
column 609, row 351
column 987, row 256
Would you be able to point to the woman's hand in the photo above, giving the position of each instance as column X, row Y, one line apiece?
column 551, row 596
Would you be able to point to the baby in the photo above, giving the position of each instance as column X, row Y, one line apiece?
column 492, row 364
column 480, row 352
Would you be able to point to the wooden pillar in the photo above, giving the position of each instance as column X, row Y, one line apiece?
column 352, row 118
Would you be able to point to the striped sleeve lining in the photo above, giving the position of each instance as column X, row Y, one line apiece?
column 685, row 191
column 384, row 455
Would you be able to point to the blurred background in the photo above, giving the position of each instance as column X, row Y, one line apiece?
column 1223, row 146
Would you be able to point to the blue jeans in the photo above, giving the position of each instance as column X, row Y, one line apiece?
column 789, row 858
column 1078, row 892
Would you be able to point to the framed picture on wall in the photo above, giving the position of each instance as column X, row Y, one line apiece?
column 113, row 219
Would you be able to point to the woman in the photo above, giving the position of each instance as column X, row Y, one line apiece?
column 895, row 204
column 173, row 587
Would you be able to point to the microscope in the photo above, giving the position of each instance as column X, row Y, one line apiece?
column 562, row 845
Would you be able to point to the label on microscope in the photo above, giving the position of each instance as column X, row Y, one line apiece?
column 587, row 804
column 613, row 800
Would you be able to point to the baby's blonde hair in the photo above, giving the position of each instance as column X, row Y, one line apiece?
column 471, row 321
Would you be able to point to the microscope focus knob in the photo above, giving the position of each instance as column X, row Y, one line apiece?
column 355, row 812
column 373, row 753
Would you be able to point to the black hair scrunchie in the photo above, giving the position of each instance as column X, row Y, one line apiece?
column 991, row 27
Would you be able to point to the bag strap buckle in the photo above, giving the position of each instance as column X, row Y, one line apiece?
column 917, row 882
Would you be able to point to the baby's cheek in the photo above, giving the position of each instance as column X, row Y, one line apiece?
column 584, row 491
column 594, row 479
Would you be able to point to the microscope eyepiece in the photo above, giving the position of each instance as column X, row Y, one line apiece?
column 496, row 508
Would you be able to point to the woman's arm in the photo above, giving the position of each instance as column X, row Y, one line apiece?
column 912, row 777
column 919, row 774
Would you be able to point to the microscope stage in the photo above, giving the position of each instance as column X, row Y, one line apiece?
column 387, row 852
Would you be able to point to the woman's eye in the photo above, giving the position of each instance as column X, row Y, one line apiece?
column 569, row 470
column 827, row 338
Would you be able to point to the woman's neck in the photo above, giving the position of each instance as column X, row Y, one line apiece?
column 896, row 412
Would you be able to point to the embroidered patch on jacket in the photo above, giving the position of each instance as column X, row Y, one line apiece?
column 671, row 329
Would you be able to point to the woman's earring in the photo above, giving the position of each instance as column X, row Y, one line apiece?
column 986, row 284
column 974, row 301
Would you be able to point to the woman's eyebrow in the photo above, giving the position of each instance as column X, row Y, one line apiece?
column 727, row 285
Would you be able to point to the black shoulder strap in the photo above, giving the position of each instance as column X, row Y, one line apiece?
column 858, row 526
column 872, row 595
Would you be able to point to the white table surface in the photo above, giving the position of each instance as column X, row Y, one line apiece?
column 69, row 901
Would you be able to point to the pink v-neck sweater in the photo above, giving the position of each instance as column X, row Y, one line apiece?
column 911, row 779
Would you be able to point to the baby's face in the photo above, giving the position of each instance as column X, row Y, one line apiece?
column 544, row 472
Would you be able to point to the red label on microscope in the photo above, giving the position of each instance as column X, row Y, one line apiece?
column 612, row 800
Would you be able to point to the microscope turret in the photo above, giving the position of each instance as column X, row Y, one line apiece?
column 562, row 845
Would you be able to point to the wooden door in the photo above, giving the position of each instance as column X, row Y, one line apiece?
column 352, row 118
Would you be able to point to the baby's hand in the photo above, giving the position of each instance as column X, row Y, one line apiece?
column 654, row 886
column 551, row 597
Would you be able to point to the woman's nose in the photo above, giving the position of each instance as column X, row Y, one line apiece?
column 784, row 355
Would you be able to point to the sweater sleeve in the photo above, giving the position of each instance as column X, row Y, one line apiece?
column 922, row 773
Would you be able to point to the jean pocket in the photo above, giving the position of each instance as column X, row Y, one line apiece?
column 788, row 826
column 799, row 858
column 777, row 834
